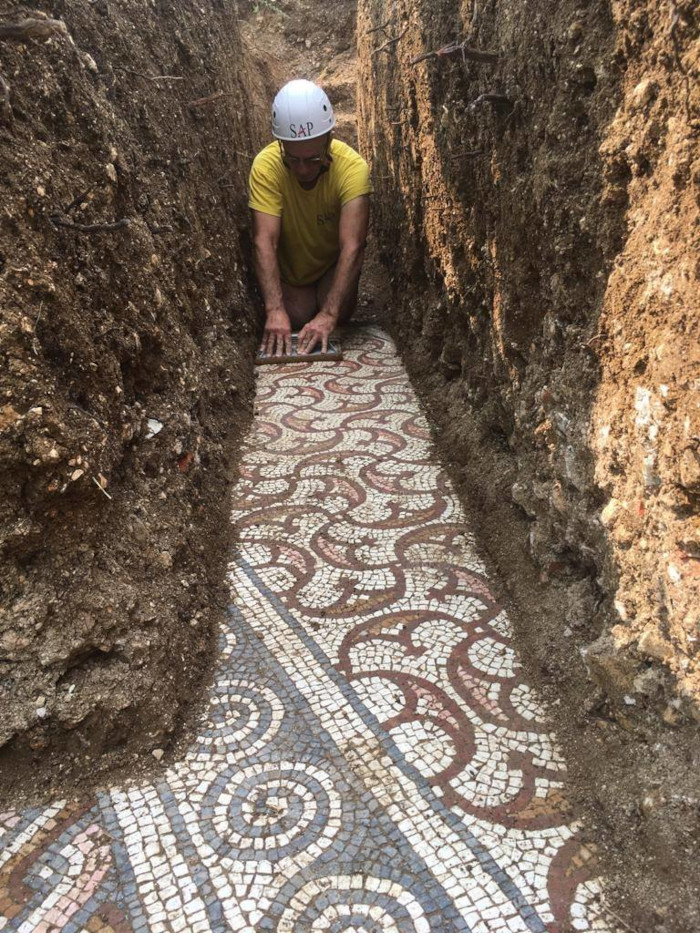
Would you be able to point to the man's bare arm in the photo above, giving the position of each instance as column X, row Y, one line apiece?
column 354, row 223
column 277, row 337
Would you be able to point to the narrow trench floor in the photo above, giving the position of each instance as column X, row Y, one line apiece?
column 370, row 759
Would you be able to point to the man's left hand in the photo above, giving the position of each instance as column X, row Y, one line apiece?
column 317, row 330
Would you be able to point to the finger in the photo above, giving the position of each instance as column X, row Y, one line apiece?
column 324, row 343
column 268, row 344
column 288, row 344
column 279, row 345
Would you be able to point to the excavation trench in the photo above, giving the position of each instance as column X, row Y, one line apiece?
column 534, row 252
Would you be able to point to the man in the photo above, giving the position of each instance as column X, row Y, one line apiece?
column 309, row 196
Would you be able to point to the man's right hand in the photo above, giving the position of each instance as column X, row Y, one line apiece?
column 277, row 339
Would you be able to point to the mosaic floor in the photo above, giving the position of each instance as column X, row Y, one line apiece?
column 371, row 760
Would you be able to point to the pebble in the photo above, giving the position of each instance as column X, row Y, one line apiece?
column 165, row 560
column 157, row 753
column 644, row 93
column 154, row 427
column 609, row 513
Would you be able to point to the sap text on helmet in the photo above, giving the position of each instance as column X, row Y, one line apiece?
column 306, row 131
column 301, row 110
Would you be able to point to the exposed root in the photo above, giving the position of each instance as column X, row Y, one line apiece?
column 32, row 28
column 473, row 55
column 203, row 101
column 140, row 74
column 5, row 106
column 58, row 221
column 390, row 43
column 381, row 28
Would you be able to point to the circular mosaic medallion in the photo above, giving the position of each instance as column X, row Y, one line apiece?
column 274, row 811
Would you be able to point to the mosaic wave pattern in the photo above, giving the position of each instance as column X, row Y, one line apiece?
column 371, row 760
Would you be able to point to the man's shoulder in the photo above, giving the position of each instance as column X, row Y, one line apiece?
column 268, row 160
column 345, row 153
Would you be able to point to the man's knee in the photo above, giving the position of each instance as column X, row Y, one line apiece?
column 299, row 303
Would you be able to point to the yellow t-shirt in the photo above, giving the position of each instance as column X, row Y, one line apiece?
column 309, row 243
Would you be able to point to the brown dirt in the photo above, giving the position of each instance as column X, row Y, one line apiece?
column 542, row 242
column 114, row 541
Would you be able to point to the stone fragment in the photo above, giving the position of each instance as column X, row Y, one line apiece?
column 651, row 801
column 621, row 609
column 8, row 416
column 157, row 753
column 575, row 32
column 521, row 494
column 574, row 469
column 154, row 427
column 644, row 93
column 652, row 644
column 690, row 470
column 610, row 666
column 650, row 683
column 610, row 512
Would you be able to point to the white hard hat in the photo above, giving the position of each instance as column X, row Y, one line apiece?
column 301, row 111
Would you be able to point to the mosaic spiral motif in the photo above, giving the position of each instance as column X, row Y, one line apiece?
column 242, row 718
column 354, row 903
column 370, row 759
column 273, row 812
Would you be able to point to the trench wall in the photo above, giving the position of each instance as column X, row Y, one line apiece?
column 537, row 217
column 538, row 214
column 125, row 361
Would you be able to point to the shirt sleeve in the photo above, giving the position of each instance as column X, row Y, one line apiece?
column 263, row 191
column 355, row 180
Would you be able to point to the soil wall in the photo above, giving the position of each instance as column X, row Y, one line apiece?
column 537, row 212
column 125, row 362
